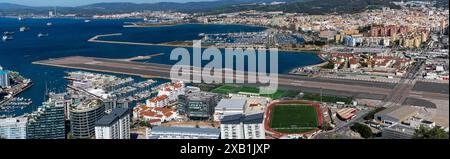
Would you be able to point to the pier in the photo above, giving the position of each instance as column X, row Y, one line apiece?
column 95, row 39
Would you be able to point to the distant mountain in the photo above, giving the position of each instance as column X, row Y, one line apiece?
column 12, row 6
column 188, row 6
column 213, row 7
column 101, row 8
column 314, row 6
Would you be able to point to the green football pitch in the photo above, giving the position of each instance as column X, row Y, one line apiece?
column 293, row 118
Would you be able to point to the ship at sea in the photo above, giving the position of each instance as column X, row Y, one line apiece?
column 7, row 37
column 49, row 24
column 42, row 35
column 22, row 29
column 7, row 33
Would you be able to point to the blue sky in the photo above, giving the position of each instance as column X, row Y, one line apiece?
column 83, row 2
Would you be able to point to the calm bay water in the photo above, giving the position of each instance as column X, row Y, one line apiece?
column 68, row 37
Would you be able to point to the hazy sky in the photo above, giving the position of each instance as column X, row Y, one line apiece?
column 83, row 2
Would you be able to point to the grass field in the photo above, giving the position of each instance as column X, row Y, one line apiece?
column 226, row 89
column 293, row 118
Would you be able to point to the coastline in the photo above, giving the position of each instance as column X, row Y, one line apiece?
column 184, row 44
column 189, row 44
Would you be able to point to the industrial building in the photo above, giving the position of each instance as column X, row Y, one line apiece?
column 398, row 131
column 394, row 115
column 229, row 107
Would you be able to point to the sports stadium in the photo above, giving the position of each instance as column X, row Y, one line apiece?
column 292, row 117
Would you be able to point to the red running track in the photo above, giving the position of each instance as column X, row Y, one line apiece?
column 305, row 103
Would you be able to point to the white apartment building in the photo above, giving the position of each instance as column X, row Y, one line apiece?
column 243, row 127
column 254, row 126
column 13, row 128
column 231, row 127
column 115, row 125
column 159, row 101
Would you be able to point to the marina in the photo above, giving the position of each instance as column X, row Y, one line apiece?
column 15, row 104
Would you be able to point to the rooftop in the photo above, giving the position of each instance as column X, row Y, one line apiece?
column 231, row 104
column 112, row 117
column 403, row 128
column 254, row 118
column 399, row 112
column 87, row 105
column 232, row 119
column 246, row 119
column 201, row 95
column 185, row 130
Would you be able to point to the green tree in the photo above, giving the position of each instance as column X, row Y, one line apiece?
column 372, row 113
column 363, row 130
column 70, row 135
column 427, row 133
column 329, row 65
column 144, row 124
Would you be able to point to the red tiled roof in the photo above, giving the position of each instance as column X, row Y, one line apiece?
column 354, row 61
column 178, row 85
column 147, row 113
column 163, row 110
column 168, row 114
column 159, row 98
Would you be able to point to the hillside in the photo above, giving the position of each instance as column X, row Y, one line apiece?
column 314, row 6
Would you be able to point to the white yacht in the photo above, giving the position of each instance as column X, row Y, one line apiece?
column 42, row 35
column 6, row 37
column 22, row 29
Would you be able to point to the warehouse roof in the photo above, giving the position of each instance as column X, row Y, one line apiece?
column 399, row 112
column 231, row 104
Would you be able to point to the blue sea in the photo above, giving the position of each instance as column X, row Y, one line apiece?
column 68, row 37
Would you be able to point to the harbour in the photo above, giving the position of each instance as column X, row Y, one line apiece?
column 55, row 46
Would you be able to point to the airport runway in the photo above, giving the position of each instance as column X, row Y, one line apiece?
column 359, row 89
